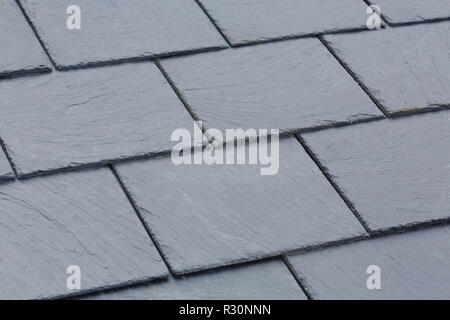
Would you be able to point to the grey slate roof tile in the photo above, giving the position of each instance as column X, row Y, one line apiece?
column 395, row 172
column 269, row 280
column 405, row 69
column 20, row 50
column 413, row 265
column 286, row 85
column 83, row 117
column 5, row 168
column 244, row 21
column 204, row 216
column 118, row 30
column 80, row 218
column 410, row 11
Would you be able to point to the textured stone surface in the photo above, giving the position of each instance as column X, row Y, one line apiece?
column 407, row 11
column 245, row 21
column 117, row 30
column 205, row 216
column 76, row 118
column 395, row 172
column 405, row 69
column 82, row 218
column 413, row 266
column 5, row 168
column 287, row 85
column 20, row 49
column 263, row 280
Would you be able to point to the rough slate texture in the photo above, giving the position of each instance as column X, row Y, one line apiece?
column 405, row 69
column 395, row 172
column 409, row 11
column 413, row 266
column 21, row 52
column 71, row 119
column 117, row 30
column 82, row 218
column 265, row 280
column 204, row 216
column 244, row 21
column 5, row 168
column 289, row 86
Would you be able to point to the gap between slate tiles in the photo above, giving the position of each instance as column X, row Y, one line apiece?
column 354, row 76
column 35, row 33
column 213, row 22
column 328, row 176
column 144, row 225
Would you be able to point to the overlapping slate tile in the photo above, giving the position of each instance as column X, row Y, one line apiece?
column 405, row 69
column 394, row 172
column 80, row 218
column 244, row 21
column 412, row 266
column 269, row 280
column 286, row 85
column 410, row 11
column 118, row 30
column 81, row 117
column 20, row 49
column 5, row 168
column 205, row 216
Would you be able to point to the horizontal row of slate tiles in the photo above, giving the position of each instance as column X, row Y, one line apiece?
column 116, row 30
column 20, row 49
column 405, row 69
column 412, row 265
column 87, row 117
column 269, row 280
column 79, row 218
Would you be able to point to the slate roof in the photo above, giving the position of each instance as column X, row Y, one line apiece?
column 86, row 177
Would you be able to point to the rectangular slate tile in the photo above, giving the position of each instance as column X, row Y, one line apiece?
column 81, row 218
column 410, row 11
column 81, row 117
column 244, row 21
column 5, row 168
column 206, row 216
column 118, row 30
column 412, row 265
column 394, row 172
column 20, row 49
column 269, row 280
column 286, row 85
column 405, row 69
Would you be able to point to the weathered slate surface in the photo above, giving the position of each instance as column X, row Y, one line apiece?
column 77, row 118
column 204, row 216
column 244, row 21
column 409, row 11
column 5, row 168
column 405, row 69
column 269, row 280
column 288, row 85
column 82, row 218
column 116, row 30
column 20, row 49
column 413, row 266
column 395, row 172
